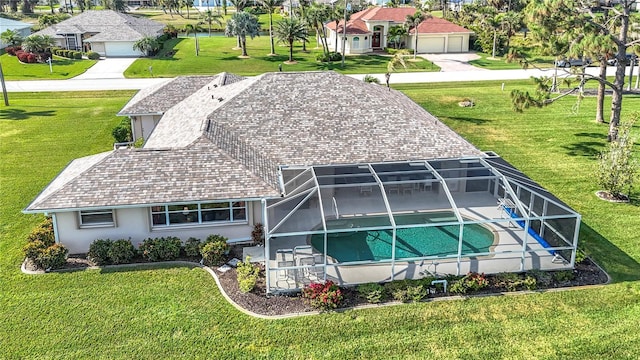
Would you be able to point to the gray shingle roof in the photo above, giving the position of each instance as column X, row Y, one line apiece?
column 127, row 177
column 159, row 98
column 108, row 25
column 227, row 141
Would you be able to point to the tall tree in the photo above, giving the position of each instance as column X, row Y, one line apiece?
column 336, row 15
column 413, row 22
column 587, row 33
column 317, row 15
column 241, row 25
column 11, row 37
column 209, row 17
column 37, row 43
column 270, row 5
column 288, row 30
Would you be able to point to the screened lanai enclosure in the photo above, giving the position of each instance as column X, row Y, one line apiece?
column 377, row 222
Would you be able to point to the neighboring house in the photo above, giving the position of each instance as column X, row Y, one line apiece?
column 107, row 32
column 224, row 152
column 368, row 30
column 21, row 28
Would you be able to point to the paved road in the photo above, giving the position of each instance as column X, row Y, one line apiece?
column 107, row 77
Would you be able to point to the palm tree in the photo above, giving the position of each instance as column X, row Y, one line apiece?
column 243, row 24
column 396, row 33
column 412, row 22
column 269, row 5
column 289, row 30
column 336, row 14
column 37, row 43
column 210, row 17
column 11, row 37
column 316, row 17
column 148, row 45
column 239, row 5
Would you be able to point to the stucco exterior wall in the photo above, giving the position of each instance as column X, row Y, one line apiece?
column 143, row 125
column 98, row 47
column 135, row 223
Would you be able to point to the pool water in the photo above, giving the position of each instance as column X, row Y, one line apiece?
column 371, row 245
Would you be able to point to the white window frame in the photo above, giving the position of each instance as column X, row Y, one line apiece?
column 356, row 42
column 195, row 210
column 83, row 224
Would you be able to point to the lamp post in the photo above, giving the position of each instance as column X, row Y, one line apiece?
column 344, row 30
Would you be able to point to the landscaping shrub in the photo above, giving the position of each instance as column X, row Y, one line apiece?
column 530, row 283
column 544, row 278
column 161, row 249
column 563, row 276
column 192, row 247
column 214, row 249
column 122, row 132
column 43, row 232
column 121, row 251
column 398, row 290
column 333, row 56
column 33, row 249
column 257, row 235
column 370, row 79
column 507, row 281
column 247, row 275
column 99, row 251
column 31, row 58
column 12, row 50
column 469, row 283
column 53, row 257
column 416, row 293
column 323, row 297
column 92, row 55
column 373, row 293
column 77, row 55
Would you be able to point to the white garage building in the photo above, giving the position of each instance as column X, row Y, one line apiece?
column 107, row 32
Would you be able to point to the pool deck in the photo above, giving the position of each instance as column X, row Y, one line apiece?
column 507, row 257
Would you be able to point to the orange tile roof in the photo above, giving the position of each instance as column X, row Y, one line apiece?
column 398, row 14
column 353, row 27
column 436, row 25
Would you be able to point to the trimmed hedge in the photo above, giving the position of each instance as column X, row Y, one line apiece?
column 161, row 249
column 92, row 55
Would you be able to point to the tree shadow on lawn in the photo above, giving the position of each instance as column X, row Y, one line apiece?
column 620, row 266
column 476, row 121
column 586, row 148
column 20, row 114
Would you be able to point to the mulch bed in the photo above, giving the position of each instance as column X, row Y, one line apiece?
column 257, row 301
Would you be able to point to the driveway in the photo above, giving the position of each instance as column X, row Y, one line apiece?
column 108, row 68
column 454, row 62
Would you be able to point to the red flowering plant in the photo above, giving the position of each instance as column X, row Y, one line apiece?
column 323, row 296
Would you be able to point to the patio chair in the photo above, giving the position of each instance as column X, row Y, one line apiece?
column 318, row 269
column 366, row 190
column 284, row 255
column 302, row 250
column 305, row 274
column 288, row 276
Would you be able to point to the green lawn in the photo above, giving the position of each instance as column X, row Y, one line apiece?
column 500, row 63
column 217, row 55
column 63, row 68
column 178, row 312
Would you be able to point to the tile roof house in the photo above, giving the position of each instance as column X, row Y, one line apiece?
column 107, row 32
column 368, row 30
column 228, row 152
column 20, row 27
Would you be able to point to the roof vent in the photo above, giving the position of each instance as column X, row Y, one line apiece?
column 220, row 99
column 215, row 85
column 208, row 125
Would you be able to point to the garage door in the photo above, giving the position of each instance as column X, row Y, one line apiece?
column 431, row 45
column 455, row 44
column 120, row 49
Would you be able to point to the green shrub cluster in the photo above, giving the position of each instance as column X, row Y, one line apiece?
column 247, row 275
column 161, row 249
column 42, row 250
column 71, row 54
column 333, row 56
column 92, row 55
column 214, row 249
column 122, row 132
column 469, row 283
column 514, row 282
column 373, row 293
column 323, row 296
column 104, row 252
column 192, row 247
column 563, row 276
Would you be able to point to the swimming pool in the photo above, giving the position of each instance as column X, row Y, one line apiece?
column 372, row 245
